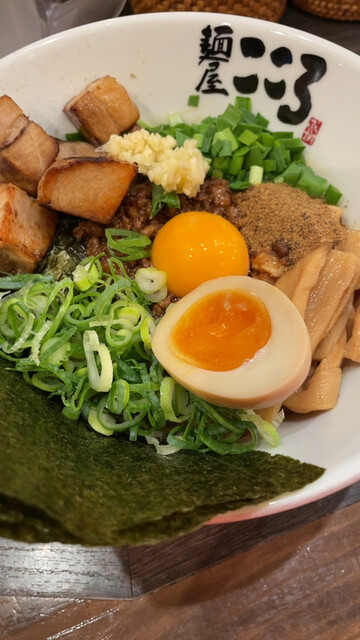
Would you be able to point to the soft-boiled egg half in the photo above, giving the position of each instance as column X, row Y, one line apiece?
column 197, row 246
column 236, row 342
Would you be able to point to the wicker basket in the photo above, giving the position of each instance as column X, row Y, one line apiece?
column 265, row 9
column 333, row 9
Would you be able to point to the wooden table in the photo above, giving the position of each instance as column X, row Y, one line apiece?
column 293, row 576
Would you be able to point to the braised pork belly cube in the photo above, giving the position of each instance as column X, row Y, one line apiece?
column 12, row 120
column 91, row 188
column 26, row 230
column 76, row 149
column 24, row 160
column 102, row 109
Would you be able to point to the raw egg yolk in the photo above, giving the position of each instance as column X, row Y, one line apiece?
column 222, row 330
column 197, row 246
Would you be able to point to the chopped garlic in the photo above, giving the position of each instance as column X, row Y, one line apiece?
column 180, row 169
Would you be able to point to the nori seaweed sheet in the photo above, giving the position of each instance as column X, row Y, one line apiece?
column 61, row 481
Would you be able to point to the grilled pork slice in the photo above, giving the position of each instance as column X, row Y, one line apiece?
column 25, row 160
column 91, row 188
column 12, row 120
column 102, row 109
column 26, row 230
column 76, row 149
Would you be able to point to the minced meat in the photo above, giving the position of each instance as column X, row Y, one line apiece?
column 280, row 224
column 214, row 196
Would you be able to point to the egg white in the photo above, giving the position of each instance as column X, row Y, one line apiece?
column 275, row 372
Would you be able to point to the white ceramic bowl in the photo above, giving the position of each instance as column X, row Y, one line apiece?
column 162, row 59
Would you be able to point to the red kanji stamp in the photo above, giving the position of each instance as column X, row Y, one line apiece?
column 311, row 130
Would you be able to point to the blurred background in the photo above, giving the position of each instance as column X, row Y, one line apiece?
column 25, row 21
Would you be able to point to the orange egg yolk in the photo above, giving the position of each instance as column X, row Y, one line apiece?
column 222, row 330
column 197, row 246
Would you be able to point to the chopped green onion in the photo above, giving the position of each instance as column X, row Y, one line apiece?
column 269, row 165
column 278, row 154
column 226, row 135
column 242, row 151
column 169, row 401
column 311, row 183
column 247, row 137
column 239, row 185
column 267, row 139
column 146, row 331
column 85, row 275
column 193, row 100
column 222, row 163
column 282, row 134
column 254, row 157
column 129, row 245
column 267, row 430
column 232, row 116
column 15, row 282
column 119, row 396
column 95, row 423
column 279, row 419
column 75, row 136
column 180, row 138
column 161, row 449
column 332, row 195
column 150, row 280
column 226, row 149
column 269, row 434
column 215, row 147
column 295, row 144
column 59, row 354
column 38, row 338
column 262, row 121
column 199, row 137
column 236, row 165
column 160, row 198
column 255, row 175
column 241, row 102
column 143, row 124
column 98, row 381
column 252, row 128
column 158, row 295
column 25, row 320
column 292, row 173
column 174, row 119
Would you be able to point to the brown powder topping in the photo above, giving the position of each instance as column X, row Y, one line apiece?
column 281, row 221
